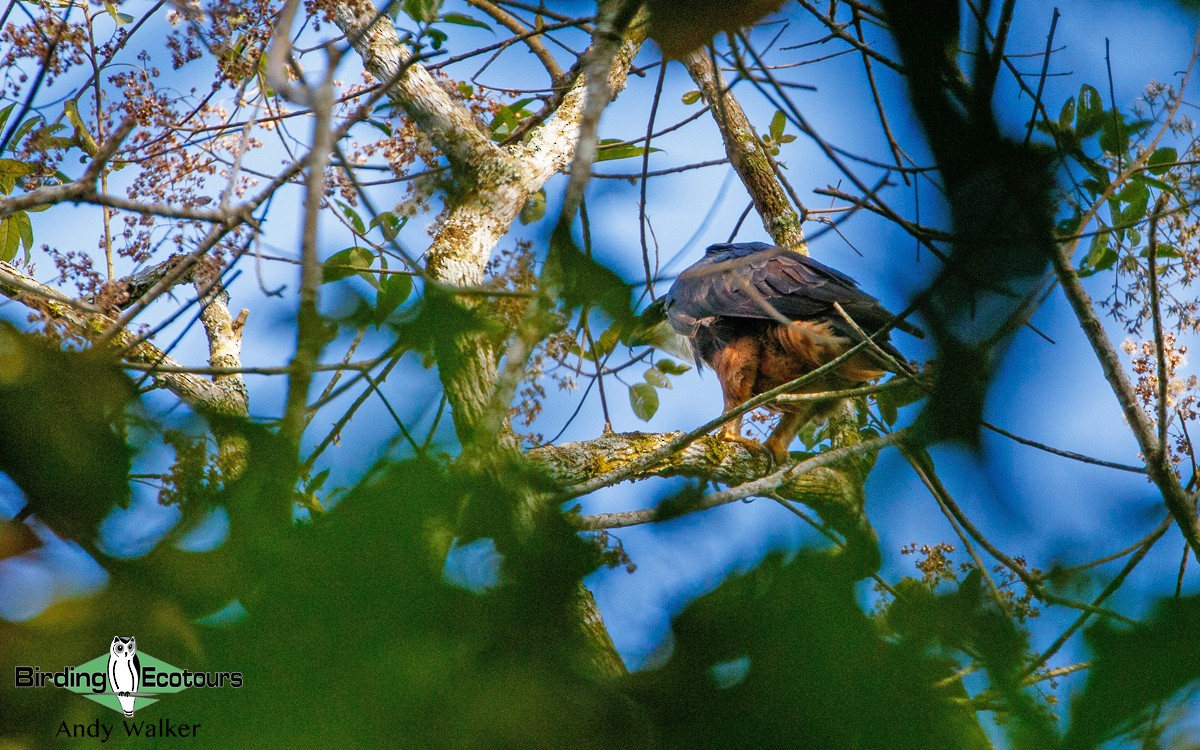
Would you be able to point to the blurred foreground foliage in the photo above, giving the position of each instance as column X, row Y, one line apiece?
column 349, row 635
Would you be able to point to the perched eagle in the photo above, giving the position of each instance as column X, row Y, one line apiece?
column 761, row 316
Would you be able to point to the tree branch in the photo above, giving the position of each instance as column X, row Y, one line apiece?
column 747, row 154
column 812, row 481
column 1181, row 507
column 204, row 395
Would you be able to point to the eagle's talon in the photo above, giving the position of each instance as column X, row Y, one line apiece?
column 779, row 452
column 749, row 444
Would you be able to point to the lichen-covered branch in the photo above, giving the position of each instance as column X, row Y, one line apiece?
column 747, row 153
column 496, row 183
column 824, row 487
column 224, row 333
column 445, row 121
column 206, row 396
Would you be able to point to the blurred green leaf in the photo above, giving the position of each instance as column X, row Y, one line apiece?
column 352, row 216
column 643, row 398
column 422, row 11
column 1134, row 668
column 1161, row 161
column 1089, row 112
column 122, row 19
column 5, row 113
column 346, row 263
column 508, row 117
column 671, row 367
column 656, row 378
column 534, row 208
column 1100, row 256
column 60, row 435
column 21, row 130
column 464, row 20
column 611, row 149
column 393, row 290
column 15, row 230
column 577, row 280
column 846, row 686
column 389, row 224
column 1066, row 115
column 1137, row 199
column 690, row 97
column 1165, row 250
column 778, row 122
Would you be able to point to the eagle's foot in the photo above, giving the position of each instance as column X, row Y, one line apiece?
column 778, row 450
column 749, row 444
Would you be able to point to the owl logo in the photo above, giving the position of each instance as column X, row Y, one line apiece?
column 124, row 671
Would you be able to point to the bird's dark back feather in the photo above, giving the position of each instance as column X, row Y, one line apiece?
column 757, row 281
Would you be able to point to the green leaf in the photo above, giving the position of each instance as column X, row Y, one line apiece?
column 11, row 235
column 62, row 430
column 10, row 171
column 656, row 378
column 121, row 18
column 20, row 132
column 508, row 117
column 393, row 290
column 1137, row 196
column 389, row 224
column 644, row 400
column 1114, row 135
column 1067, row 114
column 1162, row 160
column 605, row 344
column 690, row 97
column 611, row 149
column 1135, row 668
column 1165, row 250
column 578, row 280
column 422, row 11
column 651, row 328
column 4, row 113
column 1100, row 256
column 464, row 20
column 887, row 409
column 671, row 367
column 318, row 481
column 891, row 400
column 25, row 229
column 352, row 216
column 85, row 139
column 380, row 125
column 778, row 122
column 1089, row 112
column 348, row 262
column 534, row 208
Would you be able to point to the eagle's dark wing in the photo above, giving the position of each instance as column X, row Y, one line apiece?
column 759, row 281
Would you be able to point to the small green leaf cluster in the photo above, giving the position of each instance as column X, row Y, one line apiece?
column 643, row 396
column 1113, row 196
column 427, row 14
column 775, row 137
column 392, row 286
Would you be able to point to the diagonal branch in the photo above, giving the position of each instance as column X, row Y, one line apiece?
column 747, row 153
column 204, row 395
column 449, row 125
column 1182, row 508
